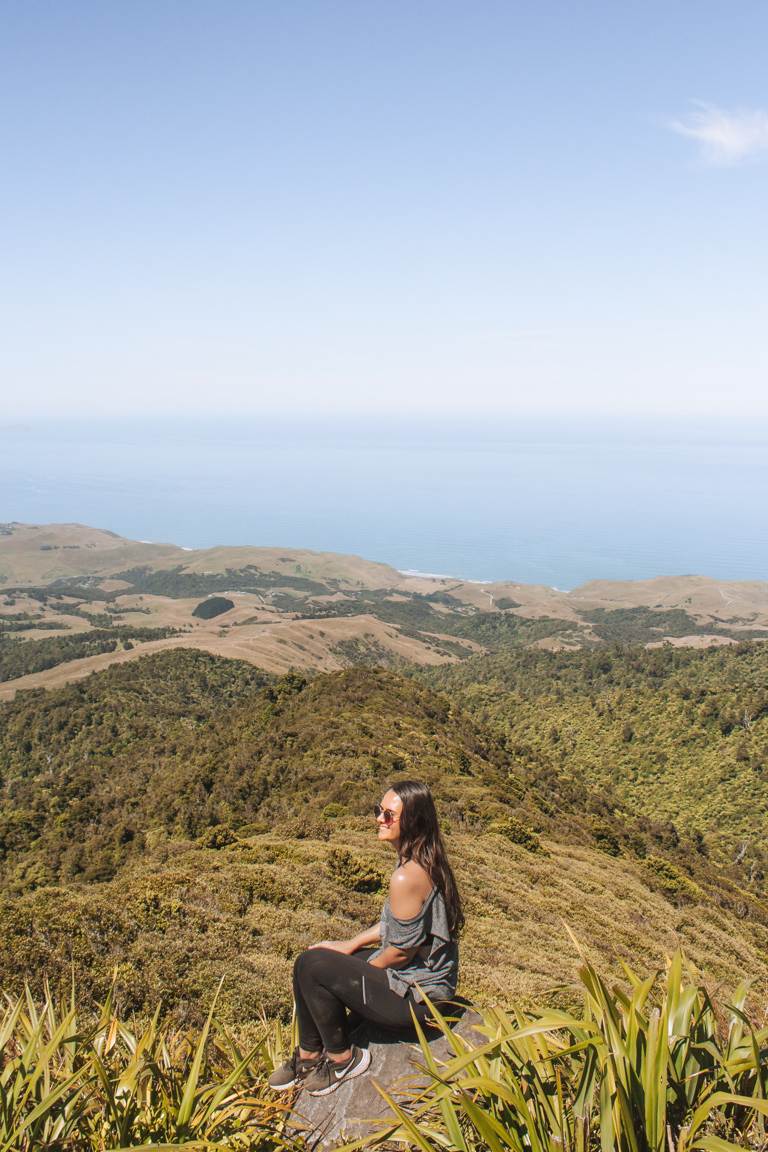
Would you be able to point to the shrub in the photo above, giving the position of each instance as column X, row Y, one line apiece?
column 333, row 810
column 518, row 833
column 213, row 606
column 668, row 880
column 354, row 873
column 219, row 836
column 606, row 839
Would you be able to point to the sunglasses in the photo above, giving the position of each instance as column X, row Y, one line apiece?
column 386, row 814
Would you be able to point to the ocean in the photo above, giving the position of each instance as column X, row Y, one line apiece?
column 536, row 501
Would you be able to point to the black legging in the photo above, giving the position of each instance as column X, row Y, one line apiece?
column 327, row 983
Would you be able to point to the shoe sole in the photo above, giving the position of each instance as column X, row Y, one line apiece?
column 363, row 1066
column 285, row 1087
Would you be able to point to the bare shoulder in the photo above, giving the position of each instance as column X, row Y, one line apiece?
column 408, row 889
column 414, row 875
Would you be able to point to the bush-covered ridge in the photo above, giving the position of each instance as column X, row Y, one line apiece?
column 186, row 816
column 19, row 658
column 181, row 742
column 678, row 734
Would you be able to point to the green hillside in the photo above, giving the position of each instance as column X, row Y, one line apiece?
column 185, row 817
column 679, row 734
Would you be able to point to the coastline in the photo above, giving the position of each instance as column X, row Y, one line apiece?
column 444, row 576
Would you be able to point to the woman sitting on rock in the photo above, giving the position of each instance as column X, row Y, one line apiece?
column 380, row 973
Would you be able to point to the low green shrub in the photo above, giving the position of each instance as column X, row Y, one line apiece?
column 219, row 836
column 354, row 873
column 333, row 810
column 514, row 830
column 669, row 880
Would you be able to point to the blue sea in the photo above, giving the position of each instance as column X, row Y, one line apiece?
column 538, row 501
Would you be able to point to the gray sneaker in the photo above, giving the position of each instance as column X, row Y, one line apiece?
column 293, row 1072
column 329, row 1074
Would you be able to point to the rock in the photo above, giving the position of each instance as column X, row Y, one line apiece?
column 349, row 1112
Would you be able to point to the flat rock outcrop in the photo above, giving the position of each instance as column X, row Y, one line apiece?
column 352, row 1110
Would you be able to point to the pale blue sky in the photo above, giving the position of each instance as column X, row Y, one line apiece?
column 399, row 206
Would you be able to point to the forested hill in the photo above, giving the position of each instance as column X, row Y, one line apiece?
column 185, row 816
column 680, row 735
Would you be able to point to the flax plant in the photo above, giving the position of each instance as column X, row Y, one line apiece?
column 651, row 1066
column 109, row 1085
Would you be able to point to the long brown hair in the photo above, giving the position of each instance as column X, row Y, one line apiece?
column 420, row 840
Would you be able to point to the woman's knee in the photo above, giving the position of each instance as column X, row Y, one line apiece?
column 310, row 960
column 301, row 962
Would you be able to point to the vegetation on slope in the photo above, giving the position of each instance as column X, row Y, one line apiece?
column 90, row 770
column 19, row 658
column 185, row 817
column 679, row 734
column 213, row 606
column 182, row 742
column 178, row 583
column 642, row 625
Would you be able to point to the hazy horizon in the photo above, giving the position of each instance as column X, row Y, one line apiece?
column 488, row 423
column 551, row 502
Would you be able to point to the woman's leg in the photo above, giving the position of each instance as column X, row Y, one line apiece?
column 310, row 1040
column 329, row 982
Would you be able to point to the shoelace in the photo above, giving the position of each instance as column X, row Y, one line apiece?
column 342, row 1068
column 332, row 1066
column 305, row 1066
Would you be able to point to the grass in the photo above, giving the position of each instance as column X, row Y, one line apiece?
column 74, row 1086
column 654, row 1064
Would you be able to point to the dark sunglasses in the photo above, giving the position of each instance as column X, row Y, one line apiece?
column 387, row 815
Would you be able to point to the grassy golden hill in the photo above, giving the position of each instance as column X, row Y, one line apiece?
column 74, row 600
column 186, row 817
column 39, row 554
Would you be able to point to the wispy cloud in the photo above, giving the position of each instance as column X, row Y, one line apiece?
column 726, row 137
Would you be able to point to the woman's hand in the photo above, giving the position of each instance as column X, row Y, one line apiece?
column 370, row 938
column 343, row 946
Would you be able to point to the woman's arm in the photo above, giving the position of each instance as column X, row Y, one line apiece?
column 408, row 889
column 391, row 957
column 366, row 939
column 362, row 940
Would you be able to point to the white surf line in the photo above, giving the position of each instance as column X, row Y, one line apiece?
column 443, row 576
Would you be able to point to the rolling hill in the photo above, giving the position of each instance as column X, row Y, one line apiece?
column 75, row 599
column 184, row 817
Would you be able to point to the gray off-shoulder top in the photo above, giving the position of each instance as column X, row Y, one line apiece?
column 435, row 967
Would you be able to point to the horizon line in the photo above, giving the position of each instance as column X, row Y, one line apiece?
column 403, row 414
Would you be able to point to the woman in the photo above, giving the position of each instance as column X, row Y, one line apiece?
column 381, row 973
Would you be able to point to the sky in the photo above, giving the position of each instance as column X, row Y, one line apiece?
column 405, row 207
